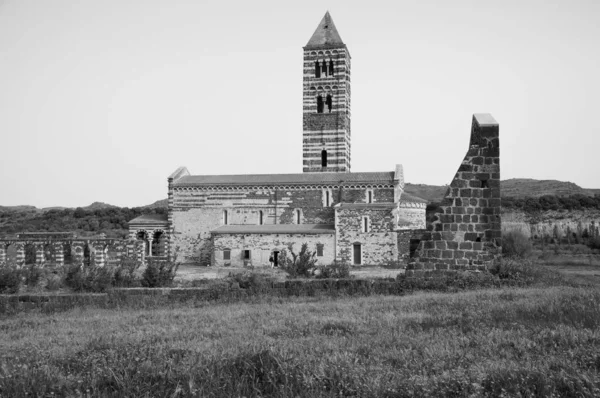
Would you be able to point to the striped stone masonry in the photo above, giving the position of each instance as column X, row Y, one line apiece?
column 466, row 233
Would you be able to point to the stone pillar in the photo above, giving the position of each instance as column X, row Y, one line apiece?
column 140, row 250
column 99, row 254
column 2, row 254
column 20, row 257
column 59, row 256
column 150, row 238
column 39, row 253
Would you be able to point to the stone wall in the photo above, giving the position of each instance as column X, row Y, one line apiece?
column 466, row 233
column 196, row 211
column 378, row 245
column 262, row 245
column 411, row 215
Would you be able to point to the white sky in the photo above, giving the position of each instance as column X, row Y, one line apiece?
column 102, row 100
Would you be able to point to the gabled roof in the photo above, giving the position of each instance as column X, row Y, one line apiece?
column 276, row 229
column 326, row 35
column 385, row 177
column 150, row 219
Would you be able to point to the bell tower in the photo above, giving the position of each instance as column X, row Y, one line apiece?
column 326, row 101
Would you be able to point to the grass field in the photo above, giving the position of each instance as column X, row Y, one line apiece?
column 542, row 341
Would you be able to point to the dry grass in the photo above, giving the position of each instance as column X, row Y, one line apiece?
column 527, row 342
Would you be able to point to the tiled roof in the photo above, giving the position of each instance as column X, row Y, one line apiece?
column 150, row 219
column 411, row 198
column 276, row 229
column 326, row 34
column 386, row 177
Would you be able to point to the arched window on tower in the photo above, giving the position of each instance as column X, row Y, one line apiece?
column 323, row 158
column 317, row 69
column 329, row 102
column 324, row 68
column 330, row 67
column 320, row 104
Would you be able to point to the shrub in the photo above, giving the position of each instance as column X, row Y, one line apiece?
column 89, row 278
column 251, row 280
column 54, row 282
column 594, row 243
column 32, row 275
column 10, row 279
column 125, row 272
column 159, row 273
column 337, row 271
column 302, row 263
column 515, row 243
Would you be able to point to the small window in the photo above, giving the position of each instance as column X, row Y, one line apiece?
column 330, row 67
column 323, row 158
column 246, row 254
column 320, row 249
column 327, row 199
column 298, row 217
column 365, row 224
column 329, row 102
column 225, row 220
column 369, row 196
column 320, row 104
column 357, row 254
column 317, row 69
column 226, row 254
column 260, row 217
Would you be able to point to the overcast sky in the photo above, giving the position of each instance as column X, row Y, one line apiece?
column 102, row 100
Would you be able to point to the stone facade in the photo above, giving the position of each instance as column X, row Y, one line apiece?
column 466, row 233
column 201, row 204
column 255, row 249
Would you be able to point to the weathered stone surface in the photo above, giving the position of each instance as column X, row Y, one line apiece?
column 469, row 219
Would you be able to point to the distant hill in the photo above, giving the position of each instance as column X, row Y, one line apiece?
column 158, row 203
column 511, row 188
column 98, row 206
column 527, row 187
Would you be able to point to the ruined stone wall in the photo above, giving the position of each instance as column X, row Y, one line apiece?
column 408, row 243
column 196, row 211
column 466, row 233
column 261, row 247
column 378, row 245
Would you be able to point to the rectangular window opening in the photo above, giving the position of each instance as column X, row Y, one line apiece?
column 226, row 254
column 320, row 249
column 357, row 254
column 246, row 254
column 225, row 217
column 298, row 217
column 365, row 224
column 369, row 196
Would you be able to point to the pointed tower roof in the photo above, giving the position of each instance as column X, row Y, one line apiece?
column 326, row 35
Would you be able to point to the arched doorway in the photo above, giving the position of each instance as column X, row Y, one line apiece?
column 158, row 244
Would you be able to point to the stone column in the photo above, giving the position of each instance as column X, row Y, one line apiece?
column 59, row 255
column 39, row 253
column 150, row 238
column 99, row 254
column 20, row 257
column 2, row 253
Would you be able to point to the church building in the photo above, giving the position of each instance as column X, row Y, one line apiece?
column 358, row 218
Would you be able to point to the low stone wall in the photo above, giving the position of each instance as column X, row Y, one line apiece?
column 147, row 297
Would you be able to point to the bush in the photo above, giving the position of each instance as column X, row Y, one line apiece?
column 594, row 243
column 302, row 263
column 516, row 244
column 336, row 271
column 89, row 278
column 32, row 274
column 10, row 279
column 125, row 272
column 251, row 280
column 159, row 273
column 54, row 282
